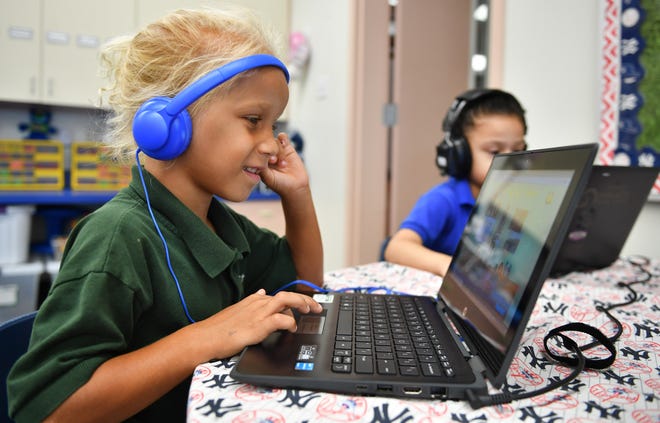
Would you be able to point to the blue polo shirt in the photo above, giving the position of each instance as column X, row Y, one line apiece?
column 440, row 215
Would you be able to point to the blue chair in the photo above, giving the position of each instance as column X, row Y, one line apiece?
column 14, row 340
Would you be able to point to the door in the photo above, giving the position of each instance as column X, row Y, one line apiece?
column 419, row 70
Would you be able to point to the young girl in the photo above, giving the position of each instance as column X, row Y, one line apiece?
column 480, row 124
column 165, row 276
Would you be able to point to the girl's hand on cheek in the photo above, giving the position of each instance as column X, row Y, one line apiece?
column 286, row 171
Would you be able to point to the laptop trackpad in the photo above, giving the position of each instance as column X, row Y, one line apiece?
column 311, row 324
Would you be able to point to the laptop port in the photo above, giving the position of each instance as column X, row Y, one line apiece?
column 384, row 388
column 438, row 393
column 412, row 390
column 361, row 387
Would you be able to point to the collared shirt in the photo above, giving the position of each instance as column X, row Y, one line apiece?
column 114, row 292
column 440, row 215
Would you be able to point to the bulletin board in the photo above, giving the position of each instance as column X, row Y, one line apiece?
column 630, row 112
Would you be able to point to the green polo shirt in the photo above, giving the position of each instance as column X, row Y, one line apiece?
column 114, row 292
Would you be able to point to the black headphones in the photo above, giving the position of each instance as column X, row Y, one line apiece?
column 453, row 155
column 162, row 127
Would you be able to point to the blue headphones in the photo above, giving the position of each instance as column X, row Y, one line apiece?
column 162, row 127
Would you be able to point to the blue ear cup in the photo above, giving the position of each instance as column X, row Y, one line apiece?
column 162, row 127
column 159, row 134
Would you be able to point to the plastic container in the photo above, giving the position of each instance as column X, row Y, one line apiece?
column 92, row 169
column 19, row 287
column 28, row 165
column 15, row 226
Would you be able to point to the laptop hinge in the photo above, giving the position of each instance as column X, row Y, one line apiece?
column 473, row 359
column 446, row 317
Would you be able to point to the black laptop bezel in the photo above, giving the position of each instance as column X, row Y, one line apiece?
column 578, row 158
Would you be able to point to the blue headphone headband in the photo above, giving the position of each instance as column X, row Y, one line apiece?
column 162, row 127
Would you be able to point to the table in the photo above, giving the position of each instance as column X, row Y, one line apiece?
column 627, row 391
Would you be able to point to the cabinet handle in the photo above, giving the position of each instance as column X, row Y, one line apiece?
column 50, row 87
column 33, row 85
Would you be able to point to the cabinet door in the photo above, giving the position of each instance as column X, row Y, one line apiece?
column 20, row 35
column 71, row 46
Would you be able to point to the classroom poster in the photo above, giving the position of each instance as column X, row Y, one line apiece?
column 630, row 117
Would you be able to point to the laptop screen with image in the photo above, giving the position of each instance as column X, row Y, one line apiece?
column 504, row 254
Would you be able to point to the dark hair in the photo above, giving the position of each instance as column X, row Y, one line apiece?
column 495, row 102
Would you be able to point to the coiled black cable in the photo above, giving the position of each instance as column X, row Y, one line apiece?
column 579, row 362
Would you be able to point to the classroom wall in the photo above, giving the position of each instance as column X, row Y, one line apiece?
column 551, row 61
column 550, row 57
column 319, row 109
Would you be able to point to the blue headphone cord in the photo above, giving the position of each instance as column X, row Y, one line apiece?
column 367, row 290
column 357, row 289
column 162, row 238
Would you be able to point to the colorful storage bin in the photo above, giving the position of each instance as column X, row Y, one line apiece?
column 27, row 165
column 92, row 169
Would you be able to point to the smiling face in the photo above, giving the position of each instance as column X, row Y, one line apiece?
column 233, row 138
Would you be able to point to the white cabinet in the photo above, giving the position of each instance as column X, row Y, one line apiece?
column 50, row 48
column 20, row 35
column 74, row 31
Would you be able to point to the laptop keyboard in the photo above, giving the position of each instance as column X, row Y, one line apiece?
column 387, row 335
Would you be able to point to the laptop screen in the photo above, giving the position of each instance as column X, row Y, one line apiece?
column 506, row 249
column 605, row 215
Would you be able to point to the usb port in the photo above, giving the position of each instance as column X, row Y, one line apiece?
column 384, row 388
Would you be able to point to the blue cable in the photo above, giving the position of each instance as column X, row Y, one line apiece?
column 162, row 238
column 300, row 282
column 365, row 289
column 361, row 289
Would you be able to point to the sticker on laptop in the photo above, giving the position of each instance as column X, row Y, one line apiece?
column 304, row 366
column 307, row 353
column 324, row 298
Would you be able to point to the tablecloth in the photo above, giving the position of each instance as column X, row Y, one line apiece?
column 627, row 391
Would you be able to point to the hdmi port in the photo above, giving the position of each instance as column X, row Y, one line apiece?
column 412, row 390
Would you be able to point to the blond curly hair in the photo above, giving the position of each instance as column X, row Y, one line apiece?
column 169, row 54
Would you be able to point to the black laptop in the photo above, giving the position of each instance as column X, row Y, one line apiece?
column 605, row 215
column 444, row 347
